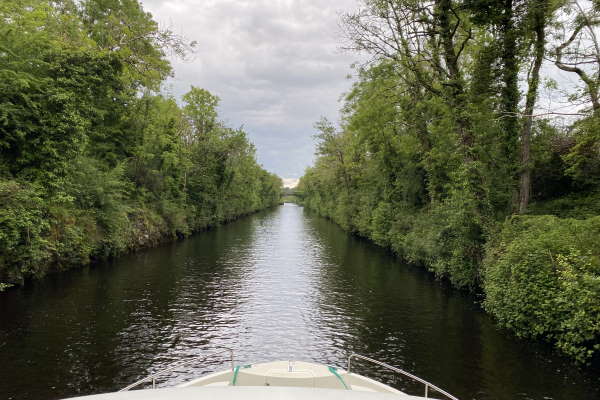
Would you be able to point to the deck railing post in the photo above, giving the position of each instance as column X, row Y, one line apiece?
column 349, row 361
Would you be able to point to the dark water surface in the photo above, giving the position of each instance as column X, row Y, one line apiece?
column 282, row 284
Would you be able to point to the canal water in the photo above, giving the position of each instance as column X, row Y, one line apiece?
column 281, row 284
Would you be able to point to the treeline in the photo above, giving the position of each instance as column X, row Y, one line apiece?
column 444, row 156
column 93, row 160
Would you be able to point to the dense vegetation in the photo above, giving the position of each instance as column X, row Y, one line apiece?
column 94, row 161
column 444, row 156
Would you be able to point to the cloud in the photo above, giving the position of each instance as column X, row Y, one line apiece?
column 275, row 64
column 290, row 182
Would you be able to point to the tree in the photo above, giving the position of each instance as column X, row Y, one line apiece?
column 579, row 54
column 51, row 93
column 201, row 111
column 123, row 27
column 538, row 20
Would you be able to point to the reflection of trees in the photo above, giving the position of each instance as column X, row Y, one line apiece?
column 370, row 303
column 100, row 328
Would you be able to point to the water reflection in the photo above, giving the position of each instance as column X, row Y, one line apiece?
column 404, row 317
column 278, row 285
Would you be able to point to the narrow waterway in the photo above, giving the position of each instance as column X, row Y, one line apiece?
column 282, row 284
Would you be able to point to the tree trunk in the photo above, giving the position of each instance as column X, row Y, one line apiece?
column 534, row 79
column 455, row 86
column 510, row 90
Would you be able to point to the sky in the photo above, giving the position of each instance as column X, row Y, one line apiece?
column 276, row 65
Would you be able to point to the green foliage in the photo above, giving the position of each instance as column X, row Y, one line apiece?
column 44, row 119
column 125, row 29
column 201, row 109
column 584, row 158
column 425, row 160
column 575, row 205
column 99, row 195
column 23, row 231
column 542, row 280
column 4, row 286
column 93, row 163
column 549, row 148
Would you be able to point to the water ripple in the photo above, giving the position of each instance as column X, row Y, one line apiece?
column 278, row 285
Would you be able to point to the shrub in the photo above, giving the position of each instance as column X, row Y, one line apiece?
column 448, row 239
column 23, row 227
column 542, row 280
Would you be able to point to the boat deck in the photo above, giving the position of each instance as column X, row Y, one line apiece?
column 286, row 380
column 248, row 393
column 292, row 374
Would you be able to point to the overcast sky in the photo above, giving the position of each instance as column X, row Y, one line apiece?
column 275, row 64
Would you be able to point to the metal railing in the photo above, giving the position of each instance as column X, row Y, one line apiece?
column 428, row 385
column 152, row 378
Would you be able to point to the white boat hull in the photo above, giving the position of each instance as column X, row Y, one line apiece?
column 247, row 393
column 285, row 380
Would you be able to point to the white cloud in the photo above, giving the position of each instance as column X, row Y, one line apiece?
column 275, row 64
column 290, row 182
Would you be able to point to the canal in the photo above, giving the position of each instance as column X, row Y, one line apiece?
column 281, row 284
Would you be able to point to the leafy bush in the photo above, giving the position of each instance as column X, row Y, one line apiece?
column 24, row 248
column 446, row 240
column 542, row 280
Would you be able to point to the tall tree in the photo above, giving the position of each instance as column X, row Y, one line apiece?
column 201, row 110
column 540, row 12
column 580, row 51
